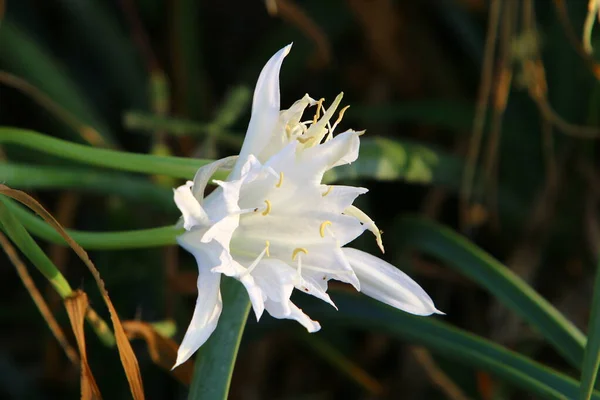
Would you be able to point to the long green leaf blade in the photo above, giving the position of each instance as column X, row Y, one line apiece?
column 216, row 358
column 454, row 343
column 20, row 237
column 591, row 357
column 134, row 239
column 507, row 287
column 177, row 167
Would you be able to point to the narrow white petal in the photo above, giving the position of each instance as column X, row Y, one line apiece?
column 255, row 294
column 386, row 283
column 278, row 310
column 206, row 172
column 265, row 109
column 309, row 285
column 206, row 315
column 337, row 198
column 192, row 211
column 342, row 149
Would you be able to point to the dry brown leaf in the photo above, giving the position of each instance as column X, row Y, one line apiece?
column 163, row 350
column 76, row 305
column 38, row 299
column 128, row 359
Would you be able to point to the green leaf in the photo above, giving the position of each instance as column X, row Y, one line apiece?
column 20, row 237
column 385, row 159
column 177, row 167
column 134, row 239
column 20, row 53
column 140, row 190
column 216, row 358
column 453, row 343
column 462, row 255
column 591, row 357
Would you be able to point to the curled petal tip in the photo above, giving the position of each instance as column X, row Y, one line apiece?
column 436, row 311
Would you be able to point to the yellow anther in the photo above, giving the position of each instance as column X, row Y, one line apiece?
column 329, row 189
column 341, row 115
column 322, row 228
column 288, row 131
column 318, row 113
column 298, row 250
column 268, row 209
column 267, row 248
column 280, row 180
column 305, row 140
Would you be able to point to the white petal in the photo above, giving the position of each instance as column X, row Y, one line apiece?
column 206, row 315
column 332, row 258
column 276, row 279
column 192, row 211
column 277, row 310
column 341, row 150
column 235, row 270
column 386, row 283
column 204, row 174
column 224, row 200
column 222, row 231
column 209, row 255
column 255, row 294
column 265, row 110
column 309, row 285
column 318, row 130
column 337, row 198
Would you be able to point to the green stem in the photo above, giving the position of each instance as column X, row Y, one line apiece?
column 216, row 358
column 177, row 167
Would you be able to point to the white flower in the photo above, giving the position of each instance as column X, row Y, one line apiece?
column 273, row 226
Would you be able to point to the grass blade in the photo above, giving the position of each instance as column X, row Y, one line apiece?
column 591, row 357
column 467, row 258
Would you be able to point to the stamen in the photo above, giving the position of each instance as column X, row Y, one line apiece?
column 298, row 250
column 295, row 254
column 329, row 189
column 288, row 131
column 318, row 113
column 322, row 228
column 268, row 209
column 340, row 116
column 305, row 140
column 255, row 262
column 278, row 185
